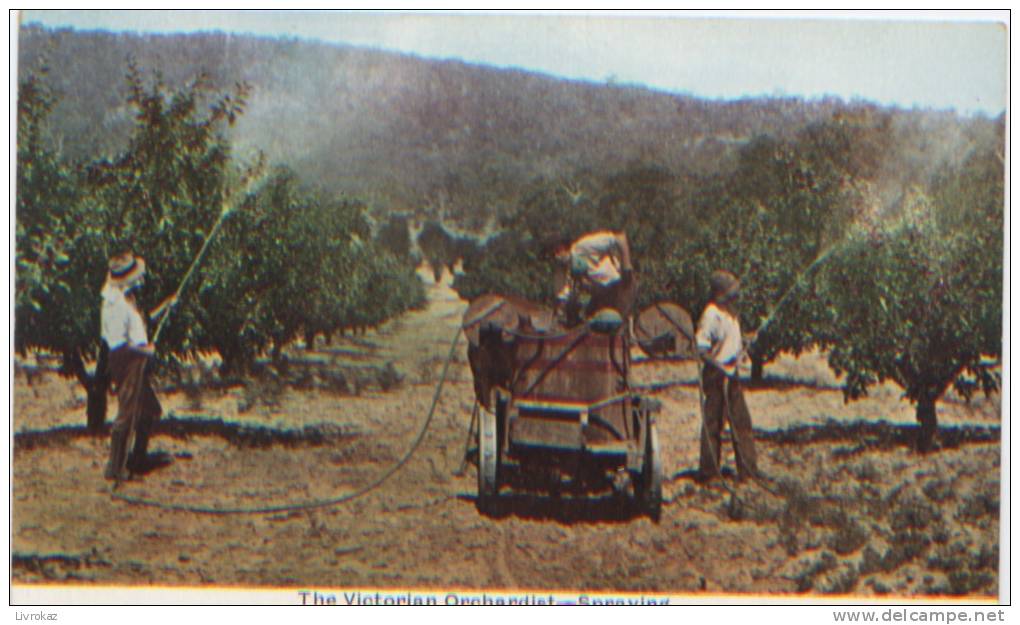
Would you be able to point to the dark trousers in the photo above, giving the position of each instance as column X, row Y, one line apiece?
column 724, row 400
column 619, row 296
column 138, row 409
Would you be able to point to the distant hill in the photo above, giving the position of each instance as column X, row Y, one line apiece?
column 407, row 133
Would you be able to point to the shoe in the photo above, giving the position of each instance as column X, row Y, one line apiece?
column 137, row 463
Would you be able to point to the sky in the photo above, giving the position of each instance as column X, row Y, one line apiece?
column 942, row 61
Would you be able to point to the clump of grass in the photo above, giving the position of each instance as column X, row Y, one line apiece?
column 388, row 378
column 334, row 381
column 796, row 509
column 913, row 513
column 806, row 578
column 848, row 535
column 866, row 471
column 191, row 386
column 967, row 571
column 267, row 391
column 842, row 582
column 980, row 508
column 751, row 506
column 871, row 561
column 867, row 501
column 906, row 547
column 968, row 582
column 840, row 511
column 427, row 369
column 194, row 381
column 301, row 378
column 385, row 378
column 938, row 491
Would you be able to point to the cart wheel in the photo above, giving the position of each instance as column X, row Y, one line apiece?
column 651, row 475
column 488, row 459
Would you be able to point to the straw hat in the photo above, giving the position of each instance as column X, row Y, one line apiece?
column 126, row 271
column 724, row 285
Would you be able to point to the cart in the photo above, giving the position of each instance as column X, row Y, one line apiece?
column 570, row 410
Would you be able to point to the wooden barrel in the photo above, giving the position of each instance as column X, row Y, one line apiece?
column 561, row 378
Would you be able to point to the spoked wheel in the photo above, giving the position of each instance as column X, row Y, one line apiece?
column 650, row 490
column 488, row 460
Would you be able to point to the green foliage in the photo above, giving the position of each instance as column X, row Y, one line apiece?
column 60, row 252
column 639, row 200
column 680, row 227
column 286, row 261
column 162, row 195
column 57, row 243
column 395, row 237
column 506, row 263
column 920, row 301
column 917, row 301
column 787, row 204
column 442, row 248
column 297, row 263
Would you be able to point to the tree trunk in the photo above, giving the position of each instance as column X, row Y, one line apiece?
column 309, row 340
column 757, row 368
column 97, row 391
column 95, row 411
column 231, row 363
column 928, row 424
column 96, row 385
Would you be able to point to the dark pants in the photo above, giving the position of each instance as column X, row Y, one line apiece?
column 137, row 406
column 724, row 399
column 618, row 295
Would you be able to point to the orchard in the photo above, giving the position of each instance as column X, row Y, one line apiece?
column 289, row 261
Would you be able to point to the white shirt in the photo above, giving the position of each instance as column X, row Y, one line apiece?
column 718, row 327
column 597, row 251
column 121, row 322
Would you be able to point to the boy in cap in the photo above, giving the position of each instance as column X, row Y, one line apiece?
column 124, row 331
column 598, row 263
column 720, row 345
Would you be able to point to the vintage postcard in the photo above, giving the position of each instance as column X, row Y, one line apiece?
column 373, row 308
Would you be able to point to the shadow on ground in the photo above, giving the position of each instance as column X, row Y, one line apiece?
column 184, row 428
column 569, row 510
column 870, row 435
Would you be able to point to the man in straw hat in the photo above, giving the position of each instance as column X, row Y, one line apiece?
column 598, row 263
column 721, row 347
column 124, row 331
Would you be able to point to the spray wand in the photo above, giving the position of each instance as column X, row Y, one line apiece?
column 227, row 210
column 793, row 287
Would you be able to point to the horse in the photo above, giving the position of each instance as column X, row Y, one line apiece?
column 491, row 324
column 665, row 330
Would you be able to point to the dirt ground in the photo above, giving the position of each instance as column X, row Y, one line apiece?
column 852, row 509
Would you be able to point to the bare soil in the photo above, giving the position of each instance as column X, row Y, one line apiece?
column 851, row 508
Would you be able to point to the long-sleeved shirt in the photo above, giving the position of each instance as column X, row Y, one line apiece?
column 121, row 322
column 597, row 257
column 599, row 254
column 719, row 328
